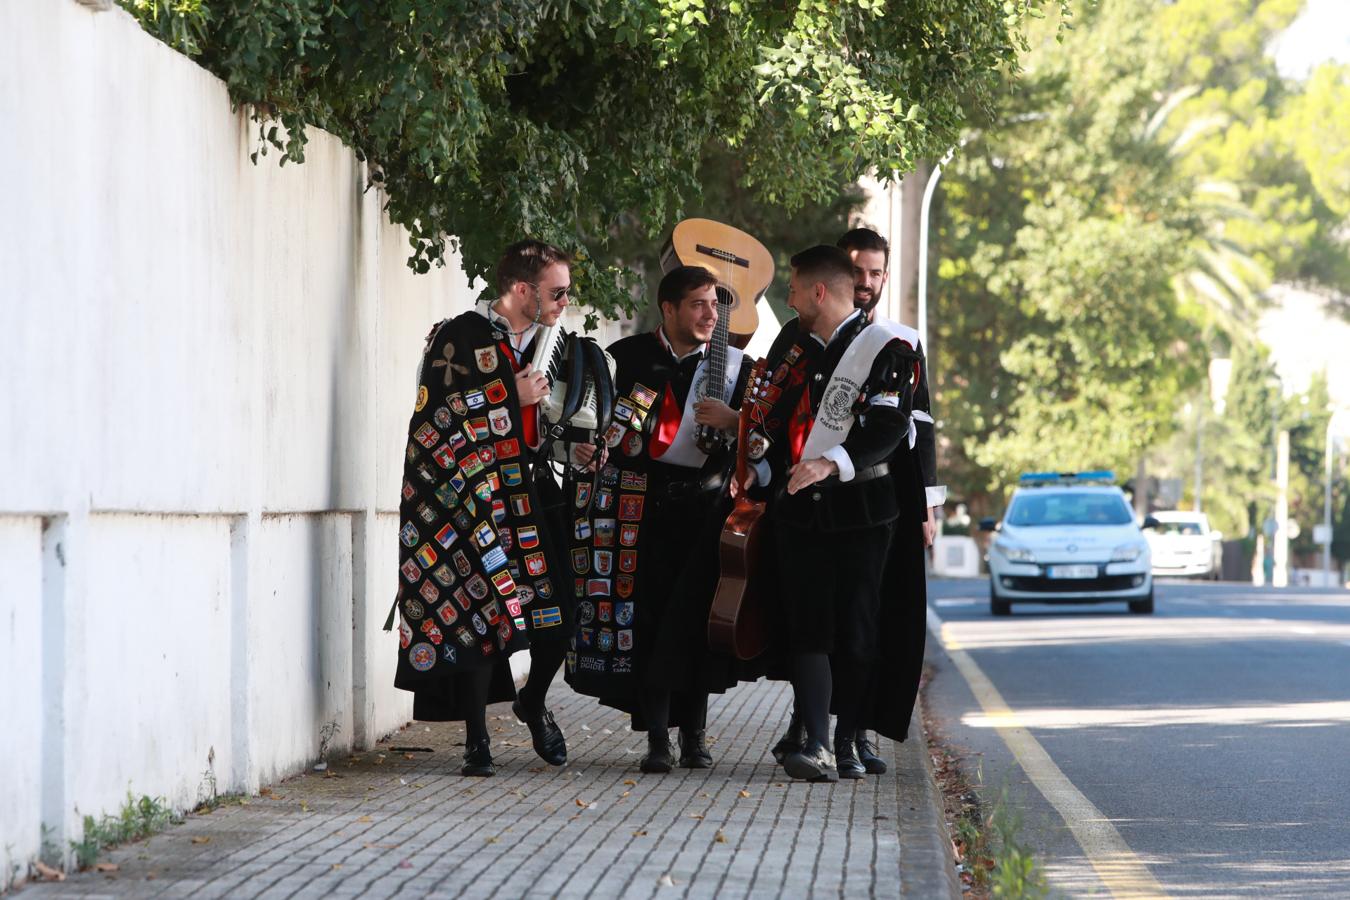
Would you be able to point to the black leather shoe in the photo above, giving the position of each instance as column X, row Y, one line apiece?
column 658, row 760
column 867, row 754
column 846, row 759
column 694, row 750
column 478, row 759
column 811, row 763
column 548, row 738
column 791, row 741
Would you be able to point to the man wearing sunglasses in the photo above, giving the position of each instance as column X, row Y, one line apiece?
column 480, row 572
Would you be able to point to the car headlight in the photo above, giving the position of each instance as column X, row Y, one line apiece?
column 1128, row 552
column 1013, row 553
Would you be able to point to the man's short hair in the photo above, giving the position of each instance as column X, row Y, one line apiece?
column 863, row 239
column 525, row 260
column 828, row 265
column 680, row 282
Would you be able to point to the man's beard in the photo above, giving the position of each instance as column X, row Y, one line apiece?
column 865, row 300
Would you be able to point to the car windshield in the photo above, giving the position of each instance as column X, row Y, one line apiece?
column 1179, row 528
column 1068, row 508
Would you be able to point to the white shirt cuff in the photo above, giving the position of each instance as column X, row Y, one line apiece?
column 937, row 495
column 839, row 456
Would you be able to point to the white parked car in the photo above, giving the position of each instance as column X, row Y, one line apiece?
column 1068, row 538
column 1183, row 544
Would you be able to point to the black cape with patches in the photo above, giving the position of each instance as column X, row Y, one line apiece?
column 478, row 576
column 635, row 534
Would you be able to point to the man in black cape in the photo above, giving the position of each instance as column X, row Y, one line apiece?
column 892, row 687
column 834, row 413
column 480, row 575
column 637, row 526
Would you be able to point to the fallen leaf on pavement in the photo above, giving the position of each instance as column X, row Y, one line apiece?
column 107, row 867
column 265, row 792
column 745, row 793
column 624, row 794
column 666, row 881
column 582, row 803
column 720, row 837
column 201, row 839
column 629, row 781
column 365, row 819
column 47, row 873
column 696, row 815
column 639, row 834
column 337, row 865
column 409, row 756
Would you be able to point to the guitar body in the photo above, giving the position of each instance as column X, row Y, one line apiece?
column 743, row 266
column 737, row 623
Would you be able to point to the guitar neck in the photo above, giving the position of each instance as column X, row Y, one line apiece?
column 715, row 386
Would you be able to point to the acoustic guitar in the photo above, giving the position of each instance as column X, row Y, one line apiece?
column 737, row 620
column 744, row 270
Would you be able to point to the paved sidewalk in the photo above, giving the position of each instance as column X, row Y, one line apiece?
column 387, row 823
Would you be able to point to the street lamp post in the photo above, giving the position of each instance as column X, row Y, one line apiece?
column 923, row 244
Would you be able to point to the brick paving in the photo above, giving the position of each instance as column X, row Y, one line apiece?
column 403, row 823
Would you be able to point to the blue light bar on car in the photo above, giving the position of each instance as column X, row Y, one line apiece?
column 1033, row 479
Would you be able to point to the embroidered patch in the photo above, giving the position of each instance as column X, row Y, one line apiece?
column 544, row 588
column 462, row 563
column 446, row 536
column 604, row 501
column 581, row 561
column 604, row 562
column 546, row 618
column 625, row 639
column 597, row 587
column 623, row 614
column 581, row 529
column 422, row 656
column 477, row 429
column 585, row 612
column 425, row 556
column 471, row 465
column 508, row 448
column 477, row 587
column 483, row 534
column 486, row 359
column 630, row 507
column 431, row 631
column 628, row 561
column 476, row 399
column 443, row 575
column 633, row 481
column 504, row 583
column 413, row 609
column 604, row 532
column 528, row 536
column 643, row 395
column 429, row 592
column 632, row 445
column 408, row 535
column 494, row 559
column 499, row 420
column 427, row 435
column 520, row 504
column 495, row 391
column 604, row 611
column 512, row 475
column 411, row 571
column 457, row 404
column 583, row 495
column 447, row 613
column 487, row 455
column 536, row 566
column 464, row 635
column 604, row 641
column 628, row 534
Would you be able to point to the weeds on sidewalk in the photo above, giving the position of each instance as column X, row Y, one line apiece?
column 139, row 818
column 990, row 856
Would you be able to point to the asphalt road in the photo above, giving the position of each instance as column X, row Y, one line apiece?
column 1214, row 735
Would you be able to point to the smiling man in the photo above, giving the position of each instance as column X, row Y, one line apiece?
column 635, row 527
column 836, row 410
column 479, row 574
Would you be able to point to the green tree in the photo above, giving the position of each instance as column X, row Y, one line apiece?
column 574, row 120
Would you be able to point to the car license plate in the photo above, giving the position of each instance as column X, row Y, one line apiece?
column 1072, row 571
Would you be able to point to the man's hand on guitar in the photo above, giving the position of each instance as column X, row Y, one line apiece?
column 751, row 479
column 715, row 413
column 808, row 472
column 531, row 386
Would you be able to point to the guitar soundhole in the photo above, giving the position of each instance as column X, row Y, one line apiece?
column 725, row 298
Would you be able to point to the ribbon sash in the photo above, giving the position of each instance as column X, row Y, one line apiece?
column 682, row 450
column 835, row 416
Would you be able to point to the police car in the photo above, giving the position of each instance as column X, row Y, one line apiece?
column 1068, row 537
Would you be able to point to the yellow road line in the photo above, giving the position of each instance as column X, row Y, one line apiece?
column 1119, row 867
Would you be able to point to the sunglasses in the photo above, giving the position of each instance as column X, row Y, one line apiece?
column 557, row 294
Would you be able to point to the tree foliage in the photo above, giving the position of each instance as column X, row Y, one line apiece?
column 1114, row 224
column 571, row 120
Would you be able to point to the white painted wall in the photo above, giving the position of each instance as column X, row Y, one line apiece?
column 208, row 369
